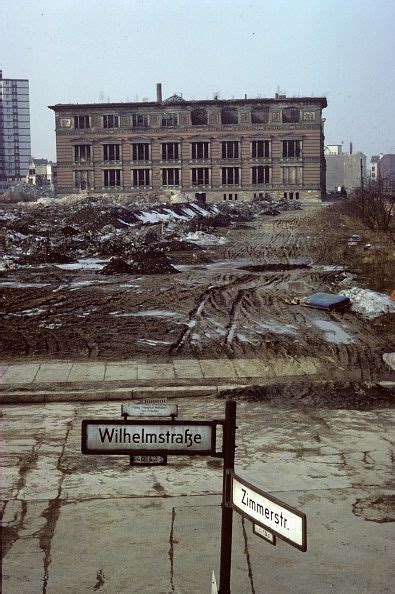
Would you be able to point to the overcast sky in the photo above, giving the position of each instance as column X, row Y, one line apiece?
column 75, row 51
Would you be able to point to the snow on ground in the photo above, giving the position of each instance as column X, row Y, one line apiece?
column 202, row 238
column 85, row 264
column 369, row 303
column 152, row 313
column 333, row 332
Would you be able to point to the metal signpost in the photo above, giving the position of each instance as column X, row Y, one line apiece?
column 148, row 442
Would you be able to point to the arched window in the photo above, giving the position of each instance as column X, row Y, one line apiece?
column 199, row 117
column 229, row 115
column 260, row 115
column 290, row 115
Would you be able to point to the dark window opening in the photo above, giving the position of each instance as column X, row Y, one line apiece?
column 230, row 149
column 140, row 120
column 291, row 148
column 82, row 180
column 111, row 152
column 140, row 151
column 200, row 176
column 170, row 151
column 230, row 176
column 81, row 122
column 141, row 177
column 199, row 117
column 260, row 149
column 200, row 150
column 290, row 115
column 260, row 175
column 112, row 177
column 110, row 121
column 169, row 119
column 260, row 115
column 82, row 153
column 170, row 177
column 229, row 115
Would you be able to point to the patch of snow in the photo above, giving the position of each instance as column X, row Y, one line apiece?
column 333, row 332
column 369, row 303
column 276, row 327
column 389, row 359
column 85, row 264
column 21, row 285
column 149, row 342
column 201, row 238
column 152, row 313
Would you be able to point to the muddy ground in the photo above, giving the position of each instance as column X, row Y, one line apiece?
column 236, row 290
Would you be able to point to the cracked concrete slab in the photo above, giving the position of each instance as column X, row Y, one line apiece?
column 20, row 374
column 156, row 529
column 53, row 372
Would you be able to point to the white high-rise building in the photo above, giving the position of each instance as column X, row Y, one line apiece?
column 14, row 130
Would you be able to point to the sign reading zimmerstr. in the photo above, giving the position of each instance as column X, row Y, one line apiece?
column 152, row 436
column 286, row 522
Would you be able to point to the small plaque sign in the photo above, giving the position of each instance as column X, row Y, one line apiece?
column 265, row 534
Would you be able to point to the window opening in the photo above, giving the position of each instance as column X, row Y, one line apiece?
column 229, row 115
column 260, row 149
column 291, row 148
column 200, row 150
column 140, row 151
column 112, row 177
column 170, row 151
column 140, row 120
column 110, row 121
column 141, row 177
column 170, row 177
column 290, row 115
column 111, row 152
column 200, row 176
column 199, row 117
column 230, row 149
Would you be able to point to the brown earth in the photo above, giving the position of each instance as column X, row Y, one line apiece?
column 239, row 299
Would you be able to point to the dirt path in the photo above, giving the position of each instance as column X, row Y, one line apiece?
column 239, row 305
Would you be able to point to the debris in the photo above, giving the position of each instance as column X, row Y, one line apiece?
column 328, row 301
column 369, row 303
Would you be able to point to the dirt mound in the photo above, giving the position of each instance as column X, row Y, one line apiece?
column 275, row 267
column 117, row 266
column 335, row 395
column 147, row 260
column 201, row 223
column 94, row 218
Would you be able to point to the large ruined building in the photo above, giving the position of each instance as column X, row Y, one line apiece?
column 213, row 150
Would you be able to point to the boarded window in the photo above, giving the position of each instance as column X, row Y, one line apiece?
column 290, row 115
column 229, row 115
column 199, row 117
column 292, row 175
column 82, row 180
column 260, row 115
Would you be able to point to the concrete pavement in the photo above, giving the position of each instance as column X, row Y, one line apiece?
column 51, row 381
column 76, row 523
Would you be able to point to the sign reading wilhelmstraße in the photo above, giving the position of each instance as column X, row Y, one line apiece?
column 286, row 522
column 149, row 436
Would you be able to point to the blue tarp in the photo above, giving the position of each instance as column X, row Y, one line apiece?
column 328, row 301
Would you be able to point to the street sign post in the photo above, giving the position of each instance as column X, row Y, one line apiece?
column 285, row 521
column 154, row 437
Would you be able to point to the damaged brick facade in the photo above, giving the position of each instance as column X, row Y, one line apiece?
column 214, row 150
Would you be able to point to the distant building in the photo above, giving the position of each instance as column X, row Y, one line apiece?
column 214, row 150
column 374, row 167
column 42, row 173
column 386, row 166
column 14, row 130
column 343, row 169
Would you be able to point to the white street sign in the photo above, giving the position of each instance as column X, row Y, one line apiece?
column 265, row 534
column 149, row 410
column 285, row 521
column 138, row 437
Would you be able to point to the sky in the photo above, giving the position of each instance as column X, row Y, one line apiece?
column 91, row 51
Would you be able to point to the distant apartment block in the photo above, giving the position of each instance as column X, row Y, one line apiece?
column 386, row 172
column 42, row 173
column 343, row 169
column 214, row 150
column 14, row 130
